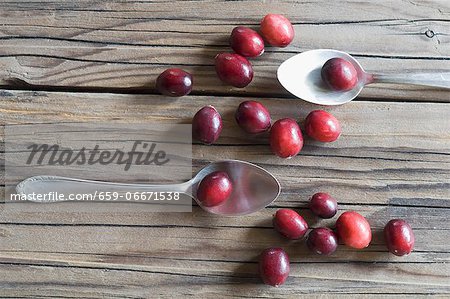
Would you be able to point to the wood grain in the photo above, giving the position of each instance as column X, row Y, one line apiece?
column 123, row 47
column 392, row 161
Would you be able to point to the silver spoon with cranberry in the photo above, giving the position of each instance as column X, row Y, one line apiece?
column 330, row 77
column 229, row 187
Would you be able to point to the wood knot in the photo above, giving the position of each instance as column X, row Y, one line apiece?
column 429, row 33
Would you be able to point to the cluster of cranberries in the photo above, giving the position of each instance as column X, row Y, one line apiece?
column 233, row 68
column 286, row 138
column 352, row 229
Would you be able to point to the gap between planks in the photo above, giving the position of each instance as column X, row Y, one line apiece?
column 146, row 91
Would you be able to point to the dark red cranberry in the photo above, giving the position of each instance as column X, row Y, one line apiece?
column 286, row 139
column 246, row 42
column 234, row 69
column 274, row 266
column 214, row 189
column 399, row 237
column 174, row 82
column 253, row 117
column 322, row 126
column 207, row 125
column 277, row 30
column 354, row 230
column 290, row 224
column 339, row 74
column 322, row 240
column 323, row 205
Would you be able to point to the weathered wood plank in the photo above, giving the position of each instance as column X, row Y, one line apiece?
column 389, row 153
column 203, row 241
column 112, row 45
column 99, row 261
column 160, row 283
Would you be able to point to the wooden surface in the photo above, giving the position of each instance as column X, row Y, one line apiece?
column 87, row 61
column 125, row 45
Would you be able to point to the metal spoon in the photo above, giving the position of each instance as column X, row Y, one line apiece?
column 300, row 75
column 253, row 187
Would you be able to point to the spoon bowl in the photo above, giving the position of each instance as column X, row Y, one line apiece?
column 253, row 187
column 301, row 76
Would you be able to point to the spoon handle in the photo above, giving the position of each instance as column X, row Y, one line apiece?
column 97, row 190
column 441, row 80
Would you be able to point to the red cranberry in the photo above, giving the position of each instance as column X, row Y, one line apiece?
column 322, row 126
column 286, row 139
column 253, row 117
column 174, row 82
column 234, row 69
column 290, row 224
column 323, row 205
column 399, row 237
column 246, row 42
column 339, row 74
column 214, row 189
column 207, row 125
column 274, row 266
column 354, row 230
column 277, row 30
column 322, row 240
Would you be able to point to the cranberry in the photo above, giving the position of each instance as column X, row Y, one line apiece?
column 354, row 230
column 286, row 139
column 399, row 237
column 274, row 266
column 323, row 205
column 322, row 240
column 207, row 125
column 322, row 126
column 234, row 69
column 290, row 224
column 246, row 42
column 339, row 74
column 277, row 30
column 214, row 189
column 253, row 117
column 174, row 82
